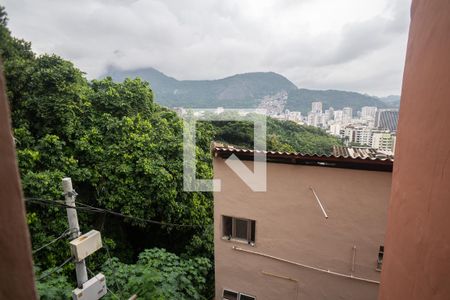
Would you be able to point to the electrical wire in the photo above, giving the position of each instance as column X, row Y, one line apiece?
column 89, row 208
column 54, row 270
column 62, row 235
column 106, row 245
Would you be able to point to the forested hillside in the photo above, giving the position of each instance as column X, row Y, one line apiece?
column 281, row 136
column 237, row 91
column 245, row 91
column 124, row 154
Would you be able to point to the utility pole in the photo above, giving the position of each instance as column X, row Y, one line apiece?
column 81, row 247
column 74, row 228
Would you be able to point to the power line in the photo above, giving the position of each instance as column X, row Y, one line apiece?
column 64, row 234
column 55, row 270
column 104, row 243
column 54, row 202
column 86, row 207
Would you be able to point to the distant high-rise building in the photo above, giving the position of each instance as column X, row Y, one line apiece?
column 316, row 107
column 358, row 134
column 330, row 113
column 314, row 119
column 368, row 112
column 347, row 114
column 335, row 129
column 347, row 111
column 387, row 119
column 294, row 116
column 384, row 141
column 338, row 115
column 324, row 118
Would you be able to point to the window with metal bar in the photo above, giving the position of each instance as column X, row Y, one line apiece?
column 232, row 295
column 239, row 229
column 380, row 258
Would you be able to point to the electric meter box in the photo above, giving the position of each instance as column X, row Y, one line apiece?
column 86, row 244
column 93, row 289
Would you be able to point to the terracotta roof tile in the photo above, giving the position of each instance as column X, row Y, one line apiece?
column 364, row 158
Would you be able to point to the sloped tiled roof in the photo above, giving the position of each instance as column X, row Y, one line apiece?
column 339, row 158
column 361, row 152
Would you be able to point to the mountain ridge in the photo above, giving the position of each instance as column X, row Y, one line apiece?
column 245, row 90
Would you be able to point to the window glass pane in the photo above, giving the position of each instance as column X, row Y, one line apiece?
column 230, row 295
column 253, row 231
column 380, row 258
column 246, row 297
column 227, row 226
column 241, row 229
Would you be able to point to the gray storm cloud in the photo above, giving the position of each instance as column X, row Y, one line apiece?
column 325, row 44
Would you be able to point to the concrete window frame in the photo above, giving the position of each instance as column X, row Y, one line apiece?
column 239, row 296
column 233, row 235
column 229, row 291
column 247, row 297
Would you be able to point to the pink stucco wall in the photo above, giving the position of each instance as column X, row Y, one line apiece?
column 291, row 226
column 417, row 258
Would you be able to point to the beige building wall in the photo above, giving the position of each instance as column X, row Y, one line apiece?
column 291, row 226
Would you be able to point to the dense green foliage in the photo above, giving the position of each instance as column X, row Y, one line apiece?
column 123, row 153
column 157, row 275
column 280, row 136
column 55, row 287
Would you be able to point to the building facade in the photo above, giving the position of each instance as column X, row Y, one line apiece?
column 358, row 134
column 384, row 141
column 387, row 119
column 368, row 112
column 316, row 107
column 316, row 233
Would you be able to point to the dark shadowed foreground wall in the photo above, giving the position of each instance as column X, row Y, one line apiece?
column 417, row 248
column 16, row 268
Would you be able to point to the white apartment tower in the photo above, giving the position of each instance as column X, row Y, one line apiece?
column 347, row 114
column 384, row 141
column 316, row 107
column 338, row 115
column 368, row 112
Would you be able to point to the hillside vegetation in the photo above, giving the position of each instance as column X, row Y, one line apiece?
column 238, row 91
column 281, row 136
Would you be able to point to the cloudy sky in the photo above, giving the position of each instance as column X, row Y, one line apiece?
column 354, row 45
